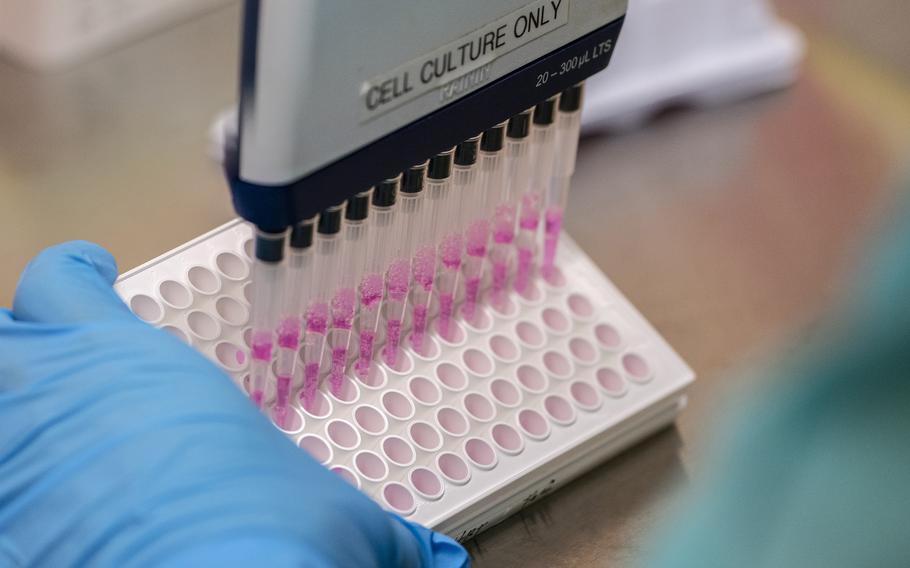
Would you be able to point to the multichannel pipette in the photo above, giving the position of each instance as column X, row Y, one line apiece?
column 344, row 300
column 543, row 136
column 267, row 286
column 514, row 185
column 424, row 264
column 381, row 233
column 451, row 248
column 297, row 278
column 568, row 125
column 325, row 275
column 398, row 273
column 477, row 231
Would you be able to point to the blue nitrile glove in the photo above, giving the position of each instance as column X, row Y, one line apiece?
column 121, row 446
column 817, row 471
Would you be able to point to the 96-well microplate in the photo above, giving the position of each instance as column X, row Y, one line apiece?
column 468, row 433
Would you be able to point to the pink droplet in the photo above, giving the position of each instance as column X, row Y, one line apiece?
column 289, row 333
column 398, row 279
column 450, row 251
column 477, row 235
column 343, row 308
column 317, row 318
column 370, row 290
column 425, row 267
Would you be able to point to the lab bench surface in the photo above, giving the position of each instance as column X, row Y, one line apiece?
column 728, row 228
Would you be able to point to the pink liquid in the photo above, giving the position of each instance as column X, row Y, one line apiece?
column 343, row 308
column 289, row 333
column 500, row 276
column 367, row 339
column 370, row 290
column 398, row 279
column 256, row 397
column 524, row 270
column 504, row 224
column 339, row 362
column 551, row 237
column 530, row 211
column 310, row 383
column 393, row 339
column 317, row 318
column 471, row 296
column 476, row 238
column 450, row 251
column 282, row 396
column 425, row 267
column 262, row 351
column 446, row 310
column 420, row 328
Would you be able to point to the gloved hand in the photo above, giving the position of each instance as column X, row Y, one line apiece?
column 121, row 446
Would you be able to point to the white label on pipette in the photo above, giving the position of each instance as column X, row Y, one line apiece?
column 462, row 64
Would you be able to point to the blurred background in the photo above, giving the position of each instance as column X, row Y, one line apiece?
column 728, row 221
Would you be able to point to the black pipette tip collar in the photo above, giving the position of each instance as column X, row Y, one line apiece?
column 570, row 99
column 302, row 234
column 545, row 112
column 330, row 221
column 358, row 207
column 466, row 152
column 412, row 179
column 386, row 192
column 492, row 138
column 269, row 246
column 440, row 166
column 519, row 125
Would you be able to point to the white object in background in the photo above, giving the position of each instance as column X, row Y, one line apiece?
column 464, row 436
column 699, row 52
column 55, row 33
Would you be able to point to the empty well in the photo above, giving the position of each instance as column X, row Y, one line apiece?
column 431, row 348
column 555, row 278
column 533, row 424
column 370, row 466
column 203, row 280
column 424, row 391
column 479, row 407
column 457, row 334
column 636, row 367
column 531, row 379
column 426, row 483
column 557, row 365
column 505, row 393
column 175, row 294
column 530, row 334
column 580, row 306
column 477, row 362
column 559, row 410
column 319, row 407
column 316, row 447
column 231, row 356
column 342, row 434
column 453, row 468
column 583, row 351
column 398, row 498
column 507, row 439
column 480, row 453
column 504, row 348
column 482, row 321
column 370, row 420
column 347, row 475
column 425, row 436
column 397, row 405
column 451, row 377
column 231, row 311
column 506, row 309
column 203, row 325
column 452, row 421
column 248, row 248
column 556, row 321
column 585, row 396
column 147, row 308
column 608, row 336
column 231, row 266
column 398, row 451
column 248, row 292
column 611, row 381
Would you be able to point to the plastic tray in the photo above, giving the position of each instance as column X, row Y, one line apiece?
column 462, row 437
